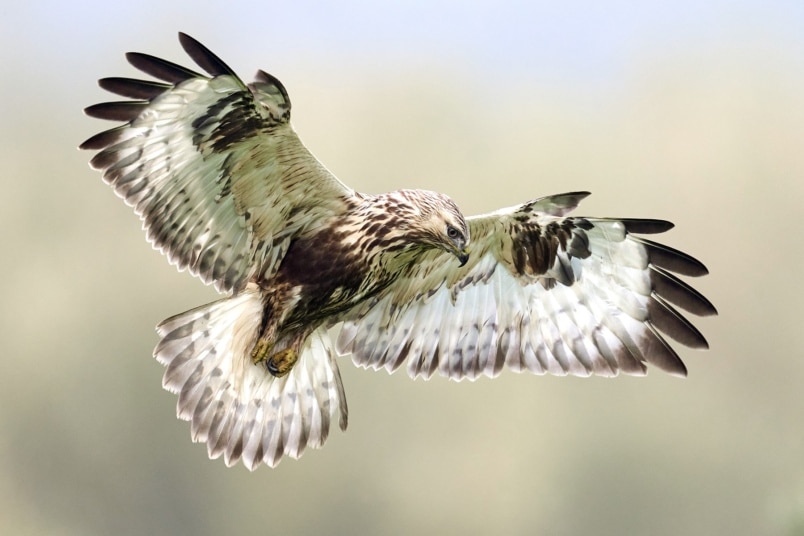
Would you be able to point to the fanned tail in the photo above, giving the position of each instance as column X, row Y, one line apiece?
column 237, row 408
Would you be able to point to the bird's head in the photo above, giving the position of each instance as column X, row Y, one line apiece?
column 434, row 220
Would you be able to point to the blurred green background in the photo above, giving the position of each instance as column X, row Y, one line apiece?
column 692, row 111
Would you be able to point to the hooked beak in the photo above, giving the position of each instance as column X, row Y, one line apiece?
column 463, row 256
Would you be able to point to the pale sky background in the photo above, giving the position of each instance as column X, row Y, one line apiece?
column 687, row 111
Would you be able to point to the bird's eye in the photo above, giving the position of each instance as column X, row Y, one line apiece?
column 453, row 233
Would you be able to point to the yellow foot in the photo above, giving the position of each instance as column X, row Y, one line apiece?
column 280, row 363
column 260, row 351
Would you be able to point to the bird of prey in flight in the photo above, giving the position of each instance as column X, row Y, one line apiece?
column 227, row 191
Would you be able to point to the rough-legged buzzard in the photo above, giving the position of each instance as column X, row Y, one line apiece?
column 227, row 191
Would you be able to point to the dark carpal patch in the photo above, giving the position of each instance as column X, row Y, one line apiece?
column 233, row 118
column 536, row 249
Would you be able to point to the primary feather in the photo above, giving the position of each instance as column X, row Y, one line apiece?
column 226, row 190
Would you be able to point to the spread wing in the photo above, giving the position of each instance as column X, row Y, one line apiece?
column 542, row 292
column 212, row 166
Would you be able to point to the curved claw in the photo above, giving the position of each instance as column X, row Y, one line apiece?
column 280, row 363
column 261, row 350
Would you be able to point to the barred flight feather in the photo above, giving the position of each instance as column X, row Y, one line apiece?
column 233, row 405
column 227, row 191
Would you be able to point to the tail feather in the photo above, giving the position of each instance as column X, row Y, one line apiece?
column 239, row 409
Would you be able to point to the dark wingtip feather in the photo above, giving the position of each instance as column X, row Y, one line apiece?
column 671, row 322
column 672, row 259
column 677, row 292
column 103, row 160
column 134, row 89
column 116, row 111
column 103, row 139
column 204, row 57
column 161, row 69
column 660, row 354
column 646, row 226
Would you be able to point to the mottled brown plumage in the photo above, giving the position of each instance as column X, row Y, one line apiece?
column 356, row 254
column 226, row 190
